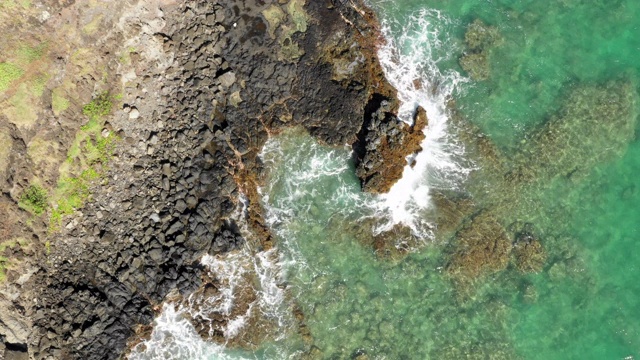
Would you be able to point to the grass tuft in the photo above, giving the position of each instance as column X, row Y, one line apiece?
column 98, row 107
column 34, row 199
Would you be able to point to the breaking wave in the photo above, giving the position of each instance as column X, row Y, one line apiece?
column 411, row 64
column 174, row 337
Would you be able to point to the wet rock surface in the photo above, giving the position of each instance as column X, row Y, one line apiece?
column 383, row 145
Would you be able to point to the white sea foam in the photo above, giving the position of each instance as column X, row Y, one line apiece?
column 268, row 267
column 410, row 63
column 175, row 338
column 230, row 272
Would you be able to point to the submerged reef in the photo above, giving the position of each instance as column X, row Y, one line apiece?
column 594, row 125
column 479, row 39
column 482, row 247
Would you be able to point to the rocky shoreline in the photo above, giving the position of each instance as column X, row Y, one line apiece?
column 202, row 87
column 131, row 136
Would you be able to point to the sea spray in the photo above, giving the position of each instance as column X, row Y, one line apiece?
column 176, row 337
column 306, row 179
column 231, row 277
column 272, row 293
column 411, row 64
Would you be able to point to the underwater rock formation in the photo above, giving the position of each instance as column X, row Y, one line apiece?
column 479, row 38
column 594, row 125
column 482, row 247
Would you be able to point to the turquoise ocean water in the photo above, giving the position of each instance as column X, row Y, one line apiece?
column 558, row 104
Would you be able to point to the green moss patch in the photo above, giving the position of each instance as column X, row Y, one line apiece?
column 98, row 107
column 92, row 27
column 4, row 262
column 25, row 54
column 8, row 74
column 5, row 151
column 71, row 194
column 298, row 15
column 24, row 104
column 290, row 50
column 274, row 16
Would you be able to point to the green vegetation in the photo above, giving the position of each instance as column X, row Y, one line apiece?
column 275, row 16
column 7, row 4
column 125, row 56
column 98, row 107
column 87, row 159
column 299, row 16
column 10, row 4
column 39, row 84
column 72, row 192
column 23, row 109
column 4, row 262
column 34, row 199
column 58, row 102
column 93, row 26
column 27, row 54
column 8, row 74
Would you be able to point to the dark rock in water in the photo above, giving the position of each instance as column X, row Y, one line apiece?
column 529, row 255
column 528, row 252
column 450, row 211
column 480, row 36
column 576, row 138
column 384, row 142
column 476, row 65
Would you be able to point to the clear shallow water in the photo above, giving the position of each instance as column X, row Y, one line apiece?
column 584, row 304
column 353, row 301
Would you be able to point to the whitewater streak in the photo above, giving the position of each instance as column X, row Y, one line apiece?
column 410, row 63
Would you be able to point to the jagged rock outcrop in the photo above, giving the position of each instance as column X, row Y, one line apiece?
column 384, row 144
